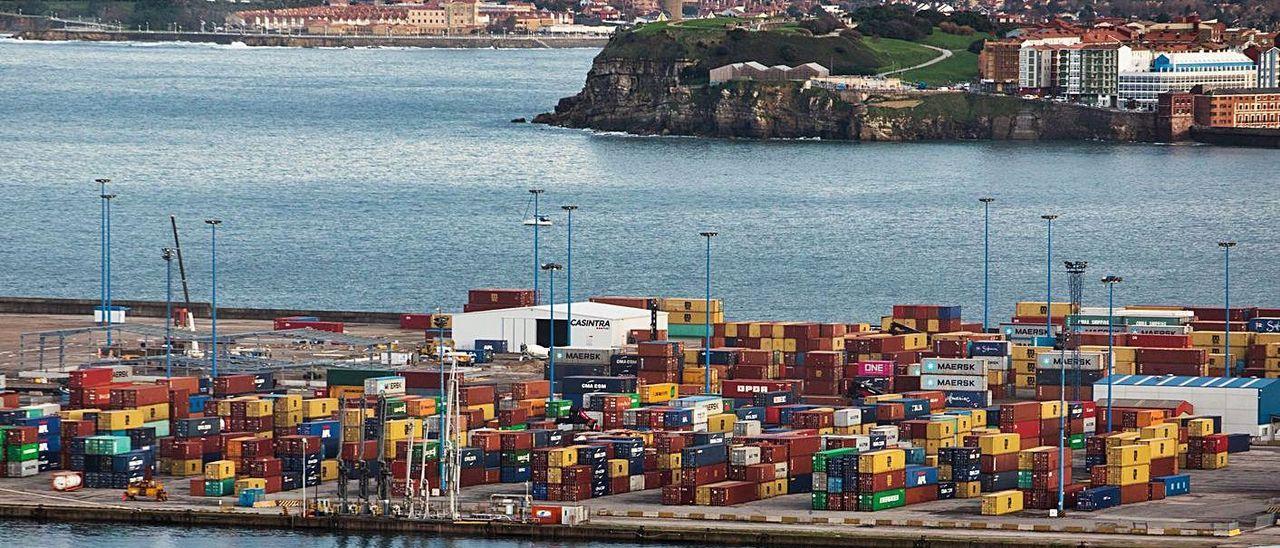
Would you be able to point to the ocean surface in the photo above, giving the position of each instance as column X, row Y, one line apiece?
column 78, row 535
column 390, row 179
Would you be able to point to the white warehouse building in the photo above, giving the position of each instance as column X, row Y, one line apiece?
column 1246, row 404
column 594, row 325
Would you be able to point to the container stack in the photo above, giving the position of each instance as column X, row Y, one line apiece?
column 1038, row 478
column 998, row 470
column 928, row 318
column 688, row 317
column 660, row 361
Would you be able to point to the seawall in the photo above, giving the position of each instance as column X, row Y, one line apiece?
column 318, row 41
column 1240, row 137
column 156, row 309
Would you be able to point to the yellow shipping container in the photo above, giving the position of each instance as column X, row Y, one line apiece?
column 249, row 483
column 1050, row 409
column 997, row 377
column 785, row 345
column 1121, row 438
column 120, row 419
column 1199, row 428
column 1024, row 367
column 487, row 410
column 1024, row 381
column 915, row 341
column 618, row 468
column 401, row 429
column 1125, row 368
column 721, row 423
column 1162, row 447
column 697, row 375
column 185, row 468
column 157, row 412
column 659, row 392
column 1028, row 353
column 1162, row 430
column 694, row 318
column 702, row 496
column 968, row 489
column 1214, row 461
column 1001, row 503
column 328, row 469
column 1273, row 349
column 220, row 469
column 770, row 489
column 1038, row 308
column 258, row 408
column 931, row 447
column 884, row 460
column 669, row 462
column 76, row 414
column 319, row 408
column 288, row 418
column 1129, row 455
column 964, row 423
column 979, row 417
column 877, row 398
column 1210, row 339
column 999, row 444
column 286, row 402
column 940, row 428
column 555, row 475
column 681, row 304
column 348, row 392
column 563, row 457
column 1128, row 475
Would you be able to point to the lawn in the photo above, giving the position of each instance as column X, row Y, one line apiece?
column 896, row 54
column 962, row 66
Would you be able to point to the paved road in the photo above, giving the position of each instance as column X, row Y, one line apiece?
column 942, row 54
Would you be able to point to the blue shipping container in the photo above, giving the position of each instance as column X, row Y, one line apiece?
column 924, row 475
column 1178, row 484
column 1098, row 498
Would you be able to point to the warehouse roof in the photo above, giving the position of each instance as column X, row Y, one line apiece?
column 585, row 309
column 1188, row 382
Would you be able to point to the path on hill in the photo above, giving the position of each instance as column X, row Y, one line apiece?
column 943, row 54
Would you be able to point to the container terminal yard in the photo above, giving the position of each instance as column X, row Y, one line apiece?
column 915, row 427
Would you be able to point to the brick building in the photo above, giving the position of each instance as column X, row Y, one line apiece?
column 1250, row 108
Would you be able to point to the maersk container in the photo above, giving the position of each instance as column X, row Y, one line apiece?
column 138, row 460
column 197, row 427
column 968, row 399
column 1178, row 484
column 392, row 385
column 1264, row 325
column 471, row 457
column 704, row 455
column 988, row 348
column 749, row 413
column 1098, row 498
column 584, row 356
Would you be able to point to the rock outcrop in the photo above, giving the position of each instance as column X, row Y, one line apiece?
column 651, row 96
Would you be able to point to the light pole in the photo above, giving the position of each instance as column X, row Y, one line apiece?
column 706, row 342
column 568, row 291
column 440, row 322
column 537, row 221
column 1076, row 270
column 213, row 306
column 1226, row 292
column 1111, row 282
column 986, row 259
column 1048, row 284
column 102, row 247
column 167, row 255
column 551, row 269
column 106, row 198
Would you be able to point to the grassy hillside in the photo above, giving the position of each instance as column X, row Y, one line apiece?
column 962, row 66
column 712, row 43
column 896, row 54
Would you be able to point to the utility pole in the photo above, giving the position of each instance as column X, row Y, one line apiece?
column 1226, row 292
column 706, row 344
column 568, row 292
column 1111, row 282
column 986, row 260
column 213, row 307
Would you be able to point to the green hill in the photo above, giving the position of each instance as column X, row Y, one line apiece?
column 713, row 43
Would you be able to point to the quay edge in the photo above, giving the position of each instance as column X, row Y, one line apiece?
column 602, row 531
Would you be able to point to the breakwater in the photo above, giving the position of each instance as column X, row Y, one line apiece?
column 156, row 309
column 317, row 41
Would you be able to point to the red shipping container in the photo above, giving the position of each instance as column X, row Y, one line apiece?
column 515, row 441
column 1215, row 443
column 732, row 493
column 889, row 411
column 937, row 398
column 990, row 464
column 97, row 376
column 298, row 445
column 746, row 388
column 1024, row 429
column 917, row 495
column 1018, row 412
column 1138, row 492
column 800, row 464
column 190, row 384
column 895, row 479
column 703, row 475
column 424, row 379
column 1166, row 466
column 229, row 385
column 1171, row 355
column 197, row 487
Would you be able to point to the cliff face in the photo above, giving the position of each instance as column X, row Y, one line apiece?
column 653, row 97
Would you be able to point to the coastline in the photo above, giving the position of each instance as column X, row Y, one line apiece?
column 314, row 41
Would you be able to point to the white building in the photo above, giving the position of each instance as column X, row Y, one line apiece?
column 1245, row 404
column 594, row 325
column 1269, row 68
column 1182, row 71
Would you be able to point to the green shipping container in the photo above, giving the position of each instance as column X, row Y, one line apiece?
column 521, row 426
column 635, row 400
column 1024, row 479
column 686, row 330
column 397, row 408
column 219, row 488
column 353, row 377
column 516, row 458
column 882, row 500
column 20, row 453
column 819, row 500
column 162, row 428
column 1076, row 441
column 432, row 448
column 558, row 408
column 107, row 445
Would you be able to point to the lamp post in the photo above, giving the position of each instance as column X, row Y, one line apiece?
column 440, row 322
column 1048, row 284
column 102, row 247
column 986, row 258
column 167, row 255
column 106, row 310
column 1111, row 282
column 537, row 221
column 551, row 269
column 1226, row 292
column 213, row 306
column 568, row 291
column 706, row 341
column 1076, row 270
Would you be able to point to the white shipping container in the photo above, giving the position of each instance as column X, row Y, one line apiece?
column 957, row 383
column 744, row 455
column 996, row 363
column 889, row 431
column 848, row 417
column 631, row 417
column 637, row 482
column 953, row 366
column 781, row 470
column 747, row 428
column 597, row 416
column 2, row 385
column 1091, row 423
column 573, row 515
column 384, row 386
column 700, row 415
column 47, row 409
